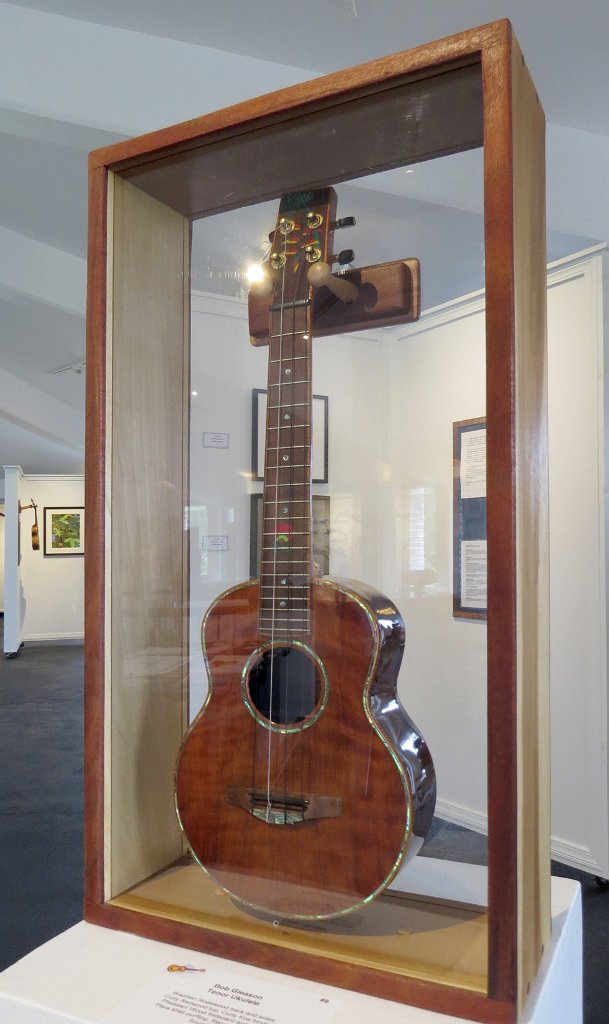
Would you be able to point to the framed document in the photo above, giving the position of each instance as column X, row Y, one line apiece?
column 469, row 519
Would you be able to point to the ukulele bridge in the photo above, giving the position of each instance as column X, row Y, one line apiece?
column 284, row 808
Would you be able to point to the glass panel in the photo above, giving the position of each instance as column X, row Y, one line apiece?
column 304, row 787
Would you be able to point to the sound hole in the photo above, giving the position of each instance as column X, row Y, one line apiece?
column 285, row 686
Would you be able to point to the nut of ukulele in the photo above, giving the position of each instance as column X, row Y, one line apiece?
column 320, row 275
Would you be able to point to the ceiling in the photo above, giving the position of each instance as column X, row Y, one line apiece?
column 78, row 74
column 565, row 44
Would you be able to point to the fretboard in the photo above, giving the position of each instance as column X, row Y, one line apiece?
column 286, row 555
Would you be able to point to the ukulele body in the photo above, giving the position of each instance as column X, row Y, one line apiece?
column 311, row 814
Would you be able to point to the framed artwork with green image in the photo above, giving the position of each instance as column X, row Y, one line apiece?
column 64, row 530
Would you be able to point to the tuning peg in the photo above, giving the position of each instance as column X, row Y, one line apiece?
column 344, row 257
column 344, row 222
column 320, row 274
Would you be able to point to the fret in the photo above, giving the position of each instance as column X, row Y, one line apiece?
column 284, row 629
column 280, row 485
column 291, row 596
column 273, row 518
column 297, row 616
column 294, row 578
column 285, row 505
column 291, row 357
column 288, row 547
column 285, row 498
column 293, row 533
column 293, row 404
column 290, row 447
column 298, row 563
column 293, row 483
column 291, row 426
column 298, row 572
column 284, row 622
column 284, row 609
column 287, row 587
column 284, row 605
column 280, row 561
column 285, row 547
column 294, row 586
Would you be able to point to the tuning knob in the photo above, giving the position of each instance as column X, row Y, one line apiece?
column 320, row 274
column 344, row 257
column 344, row 222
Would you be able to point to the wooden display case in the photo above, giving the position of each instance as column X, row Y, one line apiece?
column 470, row 90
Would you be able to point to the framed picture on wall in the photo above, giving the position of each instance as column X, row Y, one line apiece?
column 469, row 519
column 319, row 452
column 64, row 530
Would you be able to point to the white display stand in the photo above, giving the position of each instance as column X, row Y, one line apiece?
column 90, row 974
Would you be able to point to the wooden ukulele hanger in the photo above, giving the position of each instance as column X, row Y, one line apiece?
column 381, row 295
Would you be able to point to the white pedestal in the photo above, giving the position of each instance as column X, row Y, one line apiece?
column 89, row 972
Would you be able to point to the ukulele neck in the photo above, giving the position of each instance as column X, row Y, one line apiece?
column 287, row 562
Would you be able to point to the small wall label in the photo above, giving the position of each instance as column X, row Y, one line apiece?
column 215, row 542
column 213, row 439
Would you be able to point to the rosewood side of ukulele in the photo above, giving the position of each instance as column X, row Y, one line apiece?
column 326, row 866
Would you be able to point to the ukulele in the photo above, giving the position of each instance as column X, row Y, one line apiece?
column 302, row 786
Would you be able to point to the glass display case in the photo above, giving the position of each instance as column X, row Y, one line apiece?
column 270, row 575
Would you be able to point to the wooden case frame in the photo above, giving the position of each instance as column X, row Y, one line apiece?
column 138, row 299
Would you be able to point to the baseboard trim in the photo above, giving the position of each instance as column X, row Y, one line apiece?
column 563, row 851
column 464, row 816
column 579, row 857
column 55, row 638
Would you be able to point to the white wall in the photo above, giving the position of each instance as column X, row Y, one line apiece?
column 435, row 376
column 51, row 606
column 13, row 598
column 578, row 567
column 2, row 558
column 393, row 398
column 438, row 378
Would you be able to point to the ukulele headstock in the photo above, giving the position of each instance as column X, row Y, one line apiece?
column 302, row 238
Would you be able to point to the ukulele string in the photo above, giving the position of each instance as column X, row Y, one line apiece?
column 306, row 565
column 289, row 363
column 300, row 415
column 276, row 520
column 290, row 534
column 292, row 679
